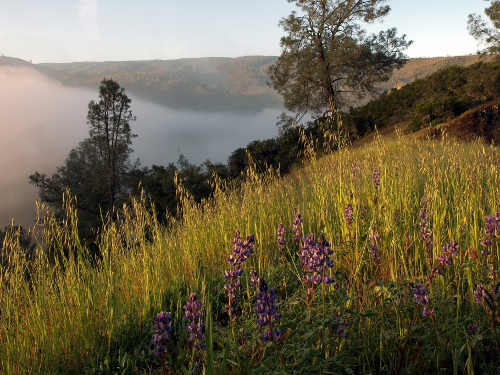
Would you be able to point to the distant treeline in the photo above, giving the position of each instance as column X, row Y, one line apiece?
column 280, row 153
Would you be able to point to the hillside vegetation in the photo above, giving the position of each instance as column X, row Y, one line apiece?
column 482, row 121
column 439, row 98
column 400, row 297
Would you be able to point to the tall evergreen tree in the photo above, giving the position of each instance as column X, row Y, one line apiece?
column 96, row 171
column 109, row 120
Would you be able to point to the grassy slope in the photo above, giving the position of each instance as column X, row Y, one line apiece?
column 99, row 320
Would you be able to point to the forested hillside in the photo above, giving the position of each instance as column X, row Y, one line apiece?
column 427, row 102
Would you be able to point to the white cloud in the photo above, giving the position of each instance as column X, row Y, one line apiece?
column 87, row 12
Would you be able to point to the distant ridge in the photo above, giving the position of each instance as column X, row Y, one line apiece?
column 205, row 84
column 212, row 83
column 13, row 61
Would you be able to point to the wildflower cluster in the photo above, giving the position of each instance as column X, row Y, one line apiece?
column 281, row 231
column 195, row 326
column 240, row 253
column 265, row 307
column 492, row 233
column 486, row 298
column 374, row 253
column 446, row 258
column 341, row 324
column 448, row 252
column 425, row 230
column 315, row 259
column 376, row 177
column 163, row 329
column 471, row 329
column 349, row 215
column 421, row 296
column 296, row 227
column 479, row 295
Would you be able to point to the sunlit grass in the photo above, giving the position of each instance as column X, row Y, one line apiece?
column 69, row 315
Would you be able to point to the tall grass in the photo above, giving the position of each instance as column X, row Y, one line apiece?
column 71, row 314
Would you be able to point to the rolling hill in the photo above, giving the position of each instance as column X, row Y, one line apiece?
column 215, row 84
column 205, row 84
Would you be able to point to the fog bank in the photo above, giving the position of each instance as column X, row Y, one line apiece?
column 41, row 121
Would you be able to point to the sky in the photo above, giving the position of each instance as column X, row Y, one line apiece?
column 110, row 30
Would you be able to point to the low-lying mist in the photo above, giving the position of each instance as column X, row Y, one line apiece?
column 42, row 120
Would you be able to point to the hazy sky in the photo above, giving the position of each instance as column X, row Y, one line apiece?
column 78, row 30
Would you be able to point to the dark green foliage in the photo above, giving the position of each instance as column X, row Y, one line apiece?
column 160, row 183
column 440, row 97
column 280, row 153
column 97, row 171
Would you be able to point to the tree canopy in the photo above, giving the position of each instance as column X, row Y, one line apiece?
column 326, row 54
column 487, row 33
column 96, row 171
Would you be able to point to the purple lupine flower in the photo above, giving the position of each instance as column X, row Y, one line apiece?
column 349, row 215
column 281, row 235
column 492, row 224
column 425, row 228
column 449, row 251
column 492, row 232
column 444, row 261
column 397, row 216
column 265, row 307
column 162, row 328
column 281, row 231
column 355, row 170
column 451, row 248
column 374, row 253
column 471, row 329
column 254, row 278
column 315, row 258
column 296, row 226
column 421, row 296
column 241, row 249
column 479, row 294
column 492, row 272
column 195, row 326
column 341, row 325
column 341, row 329
column 240, row 253
column 376, row 177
